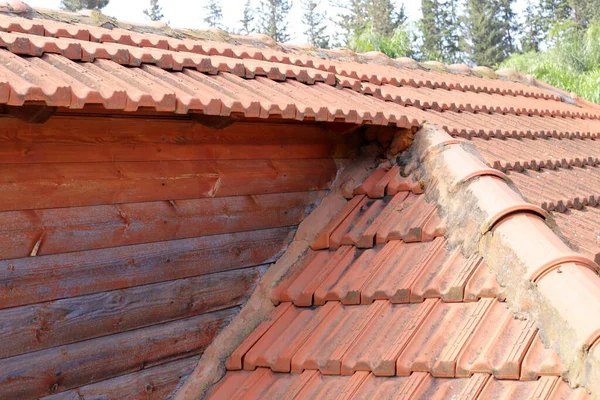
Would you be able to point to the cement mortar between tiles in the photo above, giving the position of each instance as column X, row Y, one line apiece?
column 211, row 366
column 464, row 220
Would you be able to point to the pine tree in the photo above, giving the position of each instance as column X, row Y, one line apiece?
column 585, row 11
column 314, row 22
column 154, row 12
column 382, row 17
column 273, row 21
column 214, row 14
column 431, row 29
column 353, row 19
column 485, row 32
column 440, row 27
column 508, row 24
column 247, row 19
column 76, row 5
column 532, row 33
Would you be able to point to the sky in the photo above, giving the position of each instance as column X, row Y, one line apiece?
column 189, row 14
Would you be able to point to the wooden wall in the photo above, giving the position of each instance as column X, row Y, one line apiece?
column 126, row 244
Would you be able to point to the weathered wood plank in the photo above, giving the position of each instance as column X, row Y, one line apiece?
column 155, row 383
column 71, row 229
column 37, row 279
column 61, row 368
column 94, row 139
column 41, row 326
column 33, row 186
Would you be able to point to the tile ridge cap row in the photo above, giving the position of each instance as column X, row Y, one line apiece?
column 528, row 258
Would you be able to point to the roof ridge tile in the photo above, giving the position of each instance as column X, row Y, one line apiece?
column 528, row 258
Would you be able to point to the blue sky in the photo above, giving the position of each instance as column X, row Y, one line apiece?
column 188, row 14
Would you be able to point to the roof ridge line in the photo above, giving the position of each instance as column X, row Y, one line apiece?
column 544, row 279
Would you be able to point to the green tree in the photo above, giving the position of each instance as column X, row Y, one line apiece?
column 154, row 12
column 532, row 33
column 585, row 11
column 247, row 20
column 488, row 31
column 76, row 5
column 273, row 19
column 382, row 15
column 353, row 18
column 214, row 14
column 440, row 29
column 571, row 62
column 552, row 11
column 397, row 45
column 315, row 26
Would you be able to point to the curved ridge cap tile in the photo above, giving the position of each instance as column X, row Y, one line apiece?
column 574, row 258
column 581, row 307
column 498, row 200
column 437, row 139
column 464, row 166
column 539, row 249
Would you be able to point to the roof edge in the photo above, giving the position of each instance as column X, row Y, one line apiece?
column 544, row 279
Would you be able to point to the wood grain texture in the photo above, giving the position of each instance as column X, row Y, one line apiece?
column 155, row 383
column 36, row 279
column 33, row 186
column 41, row 326
column 61, row 368
column 71, row 229
column 98, row 139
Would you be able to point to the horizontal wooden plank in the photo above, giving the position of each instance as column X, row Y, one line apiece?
column 104, row 139
column 71, row 229
column 36, row 279
column 34, row 186
column 41, row 326
column 156, row 383
column 61, row 368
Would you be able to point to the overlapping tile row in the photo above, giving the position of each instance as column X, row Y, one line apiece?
column 77, row 50
column 262, row 383
column 58, row 81
column 582, row 229
column 518, row 154
column 455, row 100
column 377, row 74
column 397, row 271
column 486, row 126
column 560, row 189
column 448, row 340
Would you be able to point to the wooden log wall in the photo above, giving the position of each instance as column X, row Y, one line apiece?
column 126, row 244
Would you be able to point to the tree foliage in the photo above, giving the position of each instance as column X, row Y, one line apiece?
column 213, row 14
column 273, row 19
column 572, row 63
column 154, row 12
column 489, row 26
column 315, row 24
column 247, row 21
column 76, row 5
column 397, row 45
column 440, row 30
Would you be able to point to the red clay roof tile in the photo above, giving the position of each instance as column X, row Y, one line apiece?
column 414, row 319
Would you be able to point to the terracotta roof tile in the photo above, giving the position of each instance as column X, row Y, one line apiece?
column 414, row 319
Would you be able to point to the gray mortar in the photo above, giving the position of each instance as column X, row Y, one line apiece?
column 464, row 220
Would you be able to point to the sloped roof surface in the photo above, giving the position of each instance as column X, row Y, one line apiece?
column 383, row 262
column 385, row 309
